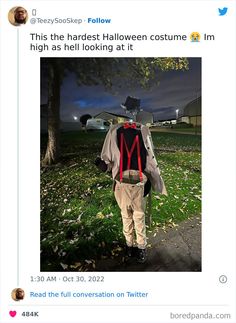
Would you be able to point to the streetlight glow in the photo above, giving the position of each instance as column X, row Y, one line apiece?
column 75, row 118
column 177, row 114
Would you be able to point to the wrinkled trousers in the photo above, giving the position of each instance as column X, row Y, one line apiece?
column 132, row 204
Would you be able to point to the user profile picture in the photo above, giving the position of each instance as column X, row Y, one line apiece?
column 18, row 16
column 18, row 294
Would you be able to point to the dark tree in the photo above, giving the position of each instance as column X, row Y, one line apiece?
column 54, row 85
column 83, row 119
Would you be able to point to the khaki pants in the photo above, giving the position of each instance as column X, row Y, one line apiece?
column 129, row 196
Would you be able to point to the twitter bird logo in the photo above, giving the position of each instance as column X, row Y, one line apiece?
column 223, row 11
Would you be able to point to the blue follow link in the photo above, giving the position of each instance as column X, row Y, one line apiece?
column 99, row 20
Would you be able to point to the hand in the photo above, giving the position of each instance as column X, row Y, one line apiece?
column 100, row 164
column 97, row 161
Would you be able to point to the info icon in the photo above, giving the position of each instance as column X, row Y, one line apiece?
column 223, row 279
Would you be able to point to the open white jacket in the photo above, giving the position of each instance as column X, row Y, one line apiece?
column 111, row 155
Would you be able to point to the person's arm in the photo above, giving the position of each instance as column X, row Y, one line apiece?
column 100, row 164
column 106, row 154
column 155, row 174
column 104, row 163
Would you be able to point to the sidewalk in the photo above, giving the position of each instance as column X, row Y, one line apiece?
column 177, row 249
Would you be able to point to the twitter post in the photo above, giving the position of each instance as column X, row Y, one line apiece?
column 117, row 161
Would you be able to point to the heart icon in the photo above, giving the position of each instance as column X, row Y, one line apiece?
column 12, row 313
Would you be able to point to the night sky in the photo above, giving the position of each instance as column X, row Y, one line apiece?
column 175, row 90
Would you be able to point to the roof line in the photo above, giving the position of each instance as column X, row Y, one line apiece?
column 114, row 114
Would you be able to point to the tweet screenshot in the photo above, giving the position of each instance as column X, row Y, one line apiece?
column 117, row 161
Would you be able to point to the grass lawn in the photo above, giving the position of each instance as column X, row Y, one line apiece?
column 80, row 219
column 194, row 130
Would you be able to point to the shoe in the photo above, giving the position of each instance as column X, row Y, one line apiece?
column 129, row 251
column 142, row 256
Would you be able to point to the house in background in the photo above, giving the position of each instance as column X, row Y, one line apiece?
column 112, row 118
column 165, row 122
column 192, row 113
column 143, row 117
